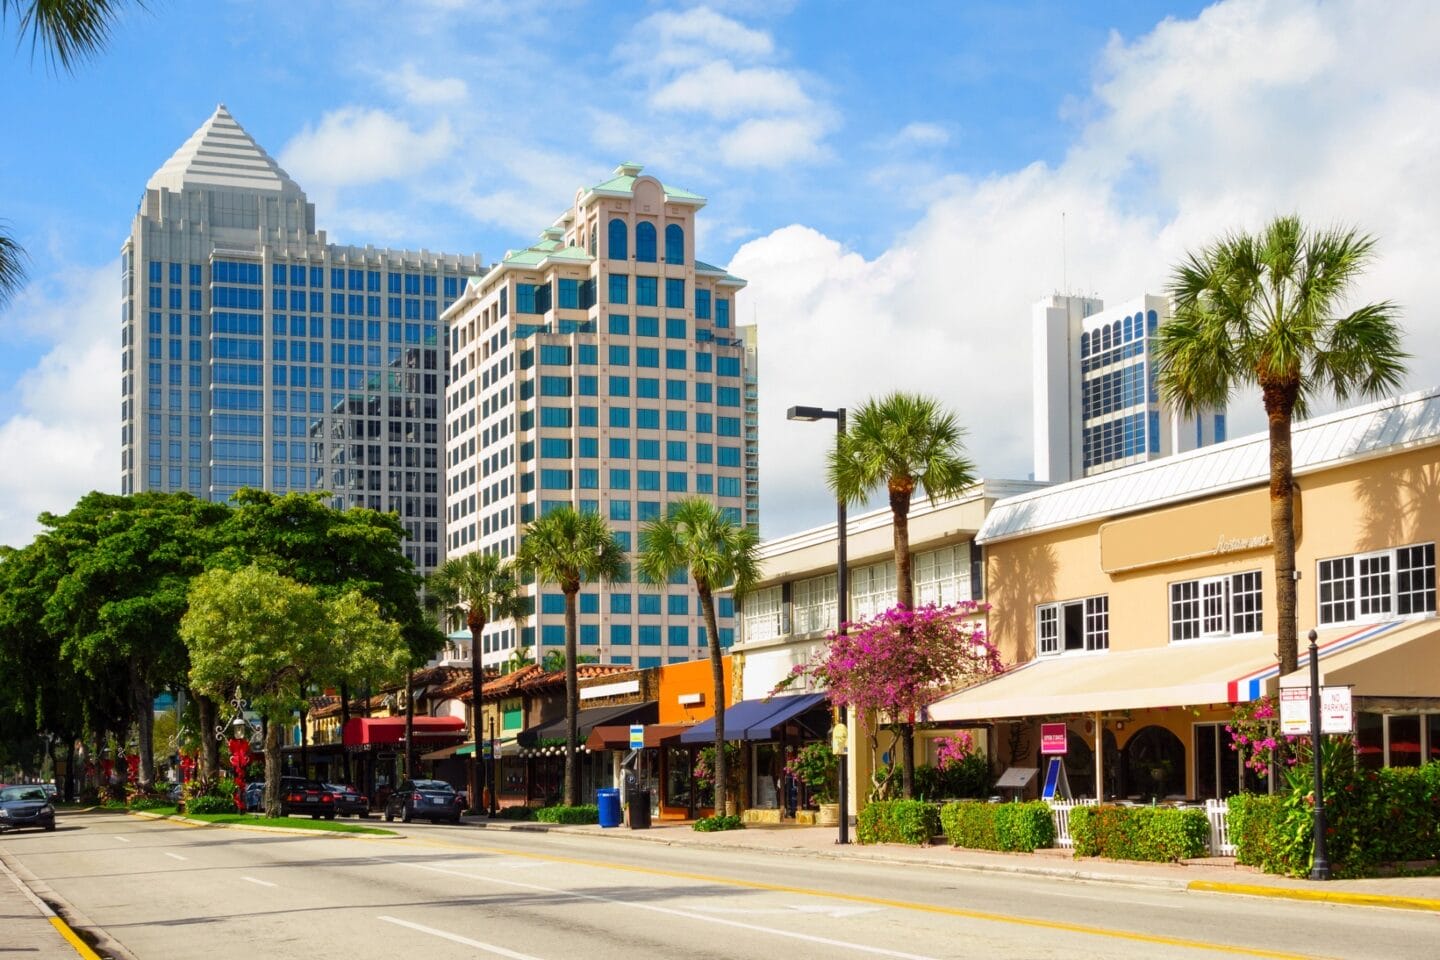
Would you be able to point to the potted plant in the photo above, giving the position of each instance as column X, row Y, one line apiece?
column 816, row 766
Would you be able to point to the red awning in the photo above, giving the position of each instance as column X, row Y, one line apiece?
column 371, row 731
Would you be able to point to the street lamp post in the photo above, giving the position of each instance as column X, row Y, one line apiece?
column 842, row 586
column 1320, row 863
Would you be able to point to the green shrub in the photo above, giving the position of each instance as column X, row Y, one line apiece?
column 970, row 778
column 898, row 821
column 584, row 813
column 210, row 803
column 148, row 801
column 711, row 824
column 517, row 813
column 1159, row 834
column 998, row 826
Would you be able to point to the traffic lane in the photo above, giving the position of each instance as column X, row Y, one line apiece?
column 1277, row 925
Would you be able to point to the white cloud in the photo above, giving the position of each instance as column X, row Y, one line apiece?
column 922, row 134
column 720, row 90
column 355, row 145
column 774, row 142
column 64, row 439
column 417, row 88
column 685, row 38
column 1201, row 126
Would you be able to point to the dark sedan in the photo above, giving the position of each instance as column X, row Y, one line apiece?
column 299, row 797
column 26, row 807
column 349, row 801
column 425, row 799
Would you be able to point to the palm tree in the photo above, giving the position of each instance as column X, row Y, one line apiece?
column 696, row 536
column 568, row 548
column 478, row 587
column 67, row 32
column 903, row 442
column 1262, row 310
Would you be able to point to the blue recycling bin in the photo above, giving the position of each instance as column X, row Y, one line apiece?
column 608, row 799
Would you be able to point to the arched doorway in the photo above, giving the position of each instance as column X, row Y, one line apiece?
column 1155, row 764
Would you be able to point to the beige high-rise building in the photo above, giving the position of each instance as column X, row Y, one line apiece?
column 602, row 368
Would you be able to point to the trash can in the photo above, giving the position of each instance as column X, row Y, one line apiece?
column 639, row 801
column 608, row 800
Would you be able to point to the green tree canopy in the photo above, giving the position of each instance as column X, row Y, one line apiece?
column 1265, row 310
column 696, row 536
column 567, row 548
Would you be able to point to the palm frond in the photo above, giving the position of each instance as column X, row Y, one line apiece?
column 66, row 31
column 12, row 267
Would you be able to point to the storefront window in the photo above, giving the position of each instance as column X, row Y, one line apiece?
column 1370, row 741
column 677, row 777
column 1404, row 741
column 1433, row 723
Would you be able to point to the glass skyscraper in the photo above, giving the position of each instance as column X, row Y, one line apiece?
column 602, row 368
column 256, row 354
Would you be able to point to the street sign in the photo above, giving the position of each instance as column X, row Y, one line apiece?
column 637, row 736
column 1052, row 738
column 1336, row 713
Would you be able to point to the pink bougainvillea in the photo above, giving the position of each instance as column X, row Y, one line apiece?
column 899, row 661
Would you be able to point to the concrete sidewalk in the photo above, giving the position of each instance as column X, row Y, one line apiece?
column 31, row 927
column 1217, row 875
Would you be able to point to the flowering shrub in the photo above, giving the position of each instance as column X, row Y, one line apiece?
column 705, row 766
column 816, row 766
column 950, row 751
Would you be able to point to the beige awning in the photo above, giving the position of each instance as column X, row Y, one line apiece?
column 1398, row 659
column 1178, row 675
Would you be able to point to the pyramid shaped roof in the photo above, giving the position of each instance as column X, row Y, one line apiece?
column 222, row 154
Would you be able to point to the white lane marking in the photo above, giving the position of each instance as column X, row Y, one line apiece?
column 175, row 856
column 687, row 914
column 456, row 938
column 123, row 839
column 263, row 883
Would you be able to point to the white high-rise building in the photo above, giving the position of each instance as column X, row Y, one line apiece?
column 602, row 369
column 257, row 354
column 1096, row 404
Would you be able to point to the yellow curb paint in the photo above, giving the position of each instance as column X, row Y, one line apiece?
column 81, row 947
column 1322, row 896
column 1060, row 925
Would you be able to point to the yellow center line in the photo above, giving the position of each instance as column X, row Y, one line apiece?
column 1059, row 925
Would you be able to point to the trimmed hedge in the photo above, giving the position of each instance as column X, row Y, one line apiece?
column 711, row 824
column 898, row 821
column 1158, row 834
column 1375, row 818
column 999, row 826
column 210, row 803
column 584, row 813
column 517, row 813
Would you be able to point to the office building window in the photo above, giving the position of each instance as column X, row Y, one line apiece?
column 764, row 614
column 1216, row 606
column 1073, row 626
column 1378, row 586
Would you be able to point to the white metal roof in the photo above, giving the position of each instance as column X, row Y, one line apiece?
column 222, row 154
column 1352, row 434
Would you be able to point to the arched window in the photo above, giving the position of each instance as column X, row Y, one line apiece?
column 645, row 242
column 617, row 248
column 1105, row 338
column 1151, row 322
column 1129, row 328
column 1084, row 345
column 674, row 243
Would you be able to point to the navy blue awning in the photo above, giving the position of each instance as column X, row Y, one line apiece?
column 754, row 719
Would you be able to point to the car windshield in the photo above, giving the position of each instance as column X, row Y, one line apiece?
column 440, row 785
column 23, row 793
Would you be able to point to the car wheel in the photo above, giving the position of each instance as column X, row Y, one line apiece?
column 405, row 815
column 50, row 826
column 389, row 817
column 329, row 816
column 455, row 820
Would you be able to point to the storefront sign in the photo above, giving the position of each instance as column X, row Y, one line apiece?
column 637, row 736
column 1336, row 714
column 1219, row 527
column 1052, row 738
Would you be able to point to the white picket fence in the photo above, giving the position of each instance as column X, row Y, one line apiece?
column 1220, row 845
column 1060, row 810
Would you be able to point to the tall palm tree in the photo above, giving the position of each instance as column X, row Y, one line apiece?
column 568, row 548
column 697, row 537
column 66, row 31
column 1263, row 310
column 477, row 588
column 904, row 443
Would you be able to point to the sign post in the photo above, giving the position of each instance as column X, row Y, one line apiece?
column 637, row 736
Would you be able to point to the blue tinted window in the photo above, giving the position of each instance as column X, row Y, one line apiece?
column 619, row 324
column 619, row 386
column 675, row 450
column 678, row 604
column 675, row 420
column 619, row 288
column 645, row 241
column 619, row 355
column 647, row 387
column 675, row 327
column 702, row 393
column 644, row 479
column 647, row 326
column 702, row 304
column 619, row 416
column 674, row 243
column 619, row 509
column 728, row 366
column 675, row 294
column 650, row 636
column 647, row 418
column 620, row 479
column 722, row 312
column 704, row 453
column 617, row 247
column 553, row 635
column 647, row 356
column 649, row 603
column 647, row 291
column 647, row 510
column 647, row 450
column 619, row 448
column 676, row 360
column 619, row 635
column 677, row 481
column 552, row 603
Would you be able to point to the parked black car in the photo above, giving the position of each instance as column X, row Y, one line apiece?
column 426, row 799
column 349, row 802
column 299, row 797
column 26, row 807
column 254, row 796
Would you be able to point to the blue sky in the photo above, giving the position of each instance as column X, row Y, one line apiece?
column 886, row 180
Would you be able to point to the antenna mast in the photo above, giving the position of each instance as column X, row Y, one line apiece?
column 1064, row 258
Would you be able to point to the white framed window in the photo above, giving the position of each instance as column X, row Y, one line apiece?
column 1073, row 626
column 762, row 611
column 1378, row 585
column 1222, row 606
column 813, row 603
column 942, row 576
column 872, row 590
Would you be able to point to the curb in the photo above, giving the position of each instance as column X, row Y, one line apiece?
column 1316, row 896
column 61, row 927
column 262, row 828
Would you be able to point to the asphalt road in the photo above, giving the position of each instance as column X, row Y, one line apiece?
column 163, row 890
